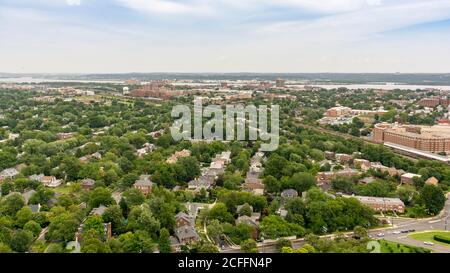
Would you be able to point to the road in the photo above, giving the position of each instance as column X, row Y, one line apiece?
column 399, row 224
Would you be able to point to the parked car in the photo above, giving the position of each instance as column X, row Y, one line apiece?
column 380, row 234
column 429, row 243
column 397, row 232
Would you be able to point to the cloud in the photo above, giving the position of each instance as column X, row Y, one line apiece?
column 73, row 2
column 364, row 23
column 167, row 6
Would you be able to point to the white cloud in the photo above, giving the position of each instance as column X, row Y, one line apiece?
column 73, row 2
column 166, row 6
column 365, row 23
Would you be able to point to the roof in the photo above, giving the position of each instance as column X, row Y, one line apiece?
column 253, row 185
column 186, row 232
column 144, row 181
column 88, row 182
column 246, row 220
column 27, row 195
column 289, row 193
column 432, row 181
column 367, row 180
column 35, row 208
column 9, row 172
column 186, row 217
column 411, row 175
column 98, row 211
column 379, row 200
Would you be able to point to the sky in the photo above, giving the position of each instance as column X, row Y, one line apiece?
column 117, row 36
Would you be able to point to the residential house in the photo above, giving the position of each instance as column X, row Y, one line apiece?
column 326, row 177
column 287, row 194
column 185, row 228
column 179, row 154
column 254, row 187
column 382, row 203
column 186, row 235
column 148, row 148
column 367, row 180
column 182, row 219
column 8, row 173
column 362, row 164
column 35, row 208
column 144, row 184
column 27, row 195
column 329, row 155
column 408, row 178
column 432, row 181
column 48, row 181
column 87, row 184
column 343, row 158
column 99, row 211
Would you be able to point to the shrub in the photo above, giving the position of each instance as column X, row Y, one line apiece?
column 442, row 238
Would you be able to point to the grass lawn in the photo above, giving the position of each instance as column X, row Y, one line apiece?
column 62, row 189
column 429, row 236
column 393, row 247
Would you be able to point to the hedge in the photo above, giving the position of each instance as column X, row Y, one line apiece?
column 442, row 238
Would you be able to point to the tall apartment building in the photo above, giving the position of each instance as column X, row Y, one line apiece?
column 155, row 89
column 426, row 138
column 433, row 102
column 338, row 111
column 280, row 82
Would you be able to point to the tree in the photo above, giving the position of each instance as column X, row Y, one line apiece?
column 23, row 216
column 33, row 227
column 215, row 230
column 343, row 184
column 147, row 222
column 4, row 248
column 274, row 166
column 302, row 182
column 360, row 232
column 128, row 180
column 12, row 204
column 190, row 167
column 113, row 215
column 274, row 226
column 433, row 198
column 94, row 245
column 138, row 242
column 93, row 227
column 272, row 184
column 164, row 241
column 133, row 197
column 220, row 212
column 100, row 196
column 62, row 227
column 282, row 243
column 249, row 246
column 204, row 247
column 21, row 240
column 246, row 209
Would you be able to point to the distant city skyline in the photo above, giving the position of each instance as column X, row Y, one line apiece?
column 220, row 36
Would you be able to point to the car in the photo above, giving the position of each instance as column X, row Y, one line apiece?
column 411, row 230
column 396, row 232
column 380, row 234
column 404, row 231
column 429, row 243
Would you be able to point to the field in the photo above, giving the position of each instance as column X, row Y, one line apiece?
column 392, row 247
column 429, row 236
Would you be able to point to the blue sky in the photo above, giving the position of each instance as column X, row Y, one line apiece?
column 224, row 36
